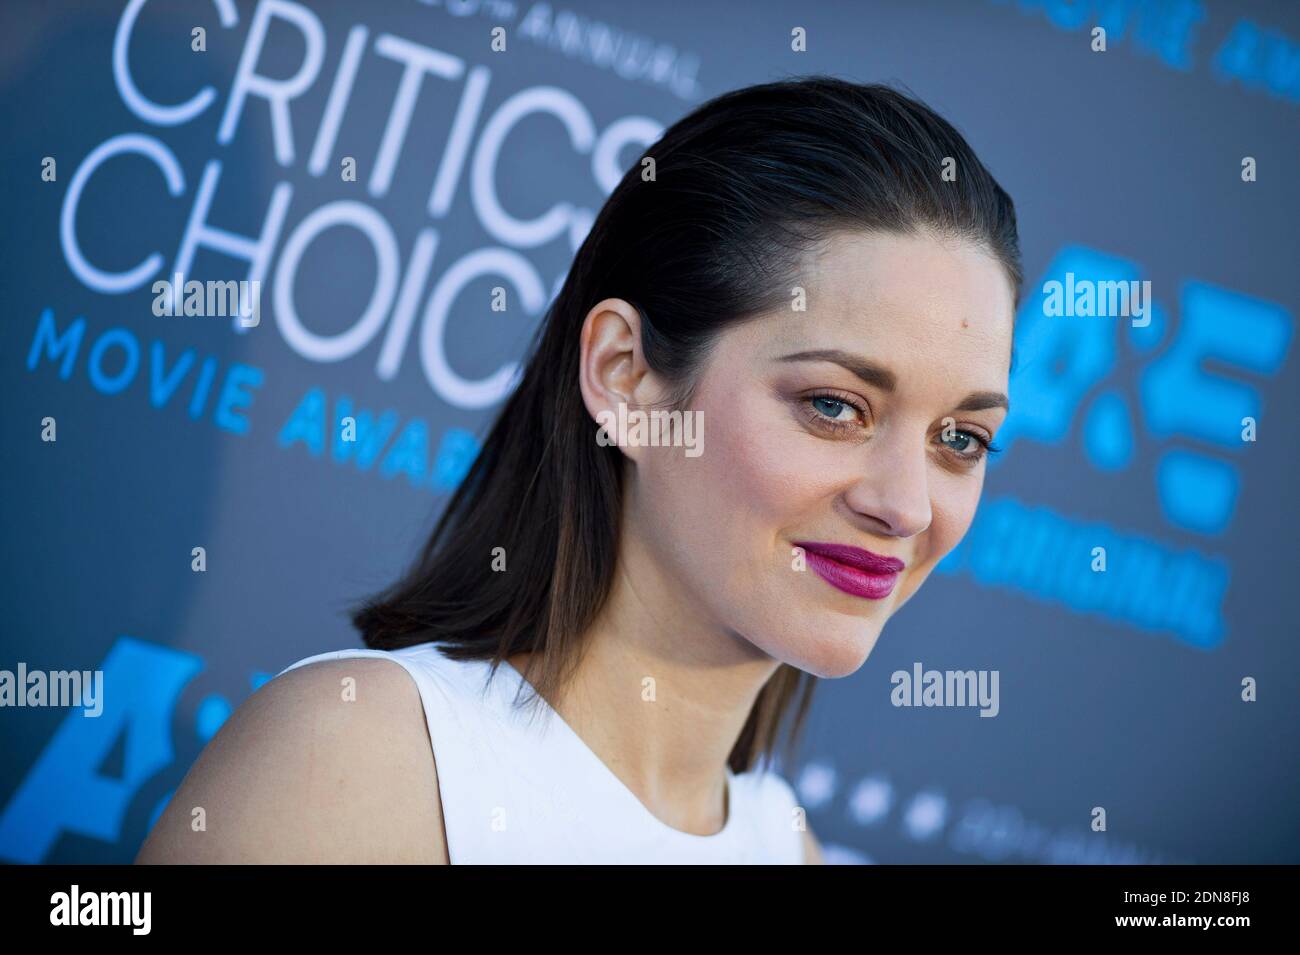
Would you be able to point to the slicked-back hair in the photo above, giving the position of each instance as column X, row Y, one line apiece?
column 744, row 186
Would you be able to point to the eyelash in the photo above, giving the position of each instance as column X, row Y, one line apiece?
column 839, row 427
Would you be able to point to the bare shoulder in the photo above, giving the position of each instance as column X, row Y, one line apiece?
column 327, row 763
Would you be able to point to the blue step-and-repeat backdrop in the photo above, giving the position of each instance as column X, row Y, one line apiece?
column 181, row 515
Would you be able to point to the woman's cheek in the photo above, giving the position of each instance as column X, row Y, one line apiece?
column 953, row 499
column 954, row 509
column 776, row 475
column 744, row 499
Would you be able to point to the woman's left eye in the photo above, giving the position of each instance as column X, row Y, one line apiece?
column 965, row 444
column 827, row 412
column 831, row 407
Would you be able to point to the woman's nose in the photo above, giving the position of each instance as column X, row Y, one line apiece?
column 893, row 492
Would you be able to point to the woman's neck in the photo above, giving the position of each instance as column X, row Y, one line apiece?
column 661, row 698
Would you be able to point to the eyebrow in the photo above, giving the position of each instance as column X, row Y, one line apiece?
column 871, row 373
column 884, row 379
column 983, row 400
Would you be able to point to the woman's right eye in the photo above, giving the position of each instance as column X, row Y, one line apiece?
column 828, row 412
column 830, row 407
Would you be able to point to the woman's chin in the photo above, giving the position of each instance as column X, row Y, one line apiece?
column 836, row 650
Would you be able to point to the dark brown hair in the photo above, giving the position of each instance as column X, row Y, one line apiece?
column 743, row 186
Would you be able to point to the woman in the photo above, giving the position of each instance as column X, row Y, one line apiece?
column 820, row 279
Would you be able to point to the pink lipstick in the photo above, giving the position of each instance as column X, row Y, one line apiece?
column 853, row 570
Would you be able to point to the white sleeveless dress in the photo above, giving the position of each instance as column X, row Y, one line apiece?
column 516, row 790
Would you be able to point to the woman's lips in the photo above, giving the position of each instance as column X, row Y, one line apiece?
column 853, row 570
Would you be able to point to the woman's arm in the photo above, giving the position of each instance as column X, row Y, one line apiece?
column 301, row 774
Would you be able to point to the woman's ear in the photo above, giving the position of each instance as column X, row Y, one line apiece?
column 612, row 370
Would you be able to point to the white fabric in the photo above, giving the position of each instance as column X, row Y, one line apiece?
column 516, row 790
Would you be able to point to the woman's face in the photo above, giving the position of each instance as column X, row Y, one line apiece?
column 843, row 448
